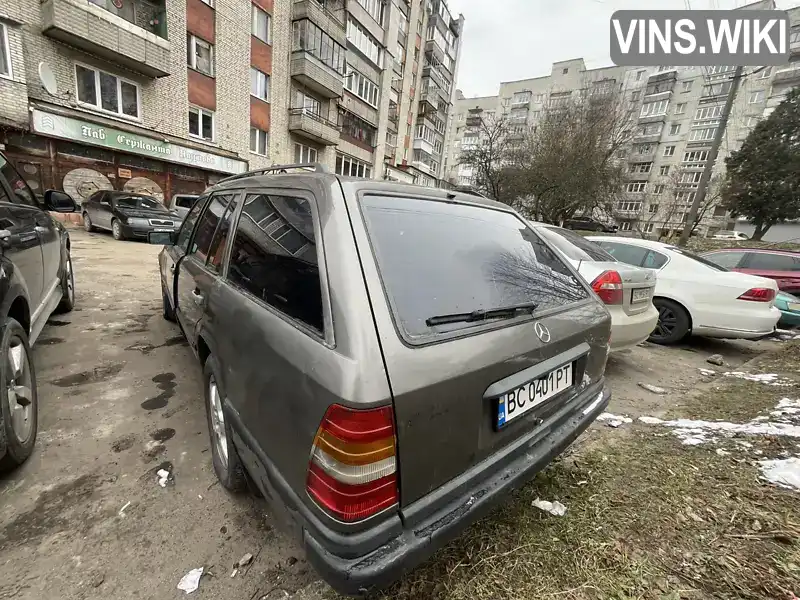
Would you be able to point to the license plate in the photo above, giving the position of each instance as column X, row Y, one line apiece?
column 161, row 230
column 519, row 401
column 793, row 305
column 640, row 295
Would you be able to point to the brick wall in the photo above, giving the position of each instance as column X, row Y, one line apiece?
column 280, row 145
column 13, row 93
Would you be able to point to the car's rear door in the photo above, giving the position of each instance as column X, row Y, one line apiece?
column 452, row 382
column 784, row 268
column 168, row 260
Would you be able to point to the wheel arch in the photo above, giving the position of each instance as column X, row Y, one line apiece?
column 679, row 303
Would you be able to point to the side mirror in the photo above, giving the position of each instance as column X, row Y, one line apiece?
column 162, row 238
column 58, row 201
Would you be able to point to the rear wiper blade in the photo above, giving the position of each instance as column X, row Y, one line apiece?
column 502, row 312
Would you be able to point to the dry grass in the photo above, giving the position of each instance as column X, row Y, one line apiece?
column 647, row 518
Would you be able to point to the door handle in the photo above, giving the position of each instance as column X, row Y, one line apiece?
column 172, row 268
column 197, row 296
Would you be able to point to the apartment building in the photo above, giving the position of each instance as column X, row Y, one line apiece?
column 152, row 95
column 676, row 112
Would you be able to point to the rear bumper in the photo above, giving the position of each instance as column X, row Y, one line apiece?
column 414, row 545
column 749, row 327
column 628, row 331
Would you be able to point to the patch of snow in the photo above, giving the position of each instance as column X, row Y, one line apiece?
column 722, row 452
column 614, row 420
column 782, row 472
column 651, row 420
column 709, row 372
column 554, row 508
column 765, row 378
column 786, row 408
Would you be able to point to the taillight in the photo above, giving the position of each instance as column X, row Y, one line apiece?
column 608, row 285
column 758, row 295
column 353, row 472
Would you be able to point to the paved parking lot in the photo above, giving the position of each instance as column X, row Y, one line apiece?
column 120, row 398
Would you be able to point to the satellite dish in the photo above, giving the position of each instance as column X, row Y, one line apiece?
column 48, row 79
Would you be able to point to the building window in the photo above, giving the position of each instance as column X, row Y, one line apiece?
column 650, row 129
column 5, row 53
column 201, row 123
column 717, row 89
column 307, row 37
column 675, row 129
column 765, row 73
column 634, row 96
column 261, row 25
column 625, row 226
column 363, row 40
column 663, row 170
column 200, row 55
column 641, row 167
column 259, row 141
column 648, row 228
column 106, row 92
column 658, row 190
column 708, row 112
column 680, row 108
column 752, row 120
column 309, row 104
column 651, row 109
column 350, row 167
column 362, row 87
column 357, row 128
column 695, row 156
column 639, row 75
column 686, row 86
column 636, row 187
column 669, row 150
column 304, row 154
column 375, row 8
column 259, row 84
column 756, row 97
column 564, row 71
column 702, row 134
column 794, row 35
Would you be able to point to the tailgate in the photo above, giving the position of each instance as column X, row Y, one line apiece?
column 426, row 258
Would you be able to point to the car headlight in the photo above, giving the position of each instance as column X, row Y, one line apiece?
column 138, row 222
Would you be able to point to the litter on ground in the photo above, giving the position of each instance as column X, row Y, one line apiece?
column 163, row 477
column 191, row 581
column 652, row 388
column 554, row 508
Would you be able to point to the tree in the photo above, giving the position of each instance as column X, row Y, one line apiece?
column 486, row 155
column 763, row 176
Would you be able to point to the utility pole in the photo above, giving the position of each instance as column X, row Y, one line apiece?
column 705, row 178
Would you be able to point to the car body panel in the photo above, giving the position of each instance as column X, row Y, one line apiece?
column 787, row 280
column 789, row 306
column 710, row 296
column 106, row 206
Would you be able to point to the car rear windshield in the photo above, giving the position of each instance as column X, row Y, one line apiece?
column 574, row 246
column 138, row 202
column 700, row 259
column 437, row 258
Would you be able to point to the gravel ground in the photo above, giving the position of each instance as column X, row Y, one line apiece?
column 121, row 398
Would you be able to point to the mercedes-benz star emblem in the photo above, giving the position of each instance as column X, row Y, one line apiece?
column 543, row 332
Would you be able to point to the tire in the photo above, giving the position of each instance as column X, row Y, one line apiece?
column 227, row 465
column 116, row 230
column 673, row 322
column 169, row 313
column 87, row 223
column 20, row 423
column 67, row 287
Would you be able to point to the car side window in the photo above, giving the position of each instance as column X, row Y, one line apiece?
column 654, row 260
column 22, row 192
column 632, row 255
column 772, row 262
column 728, row 260
column 220, row 239
column 184, row 201
column 207, row 225
column 185, row 233
column 274, row 256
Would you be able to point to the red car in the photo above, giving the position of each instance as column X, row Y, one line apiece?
column 781, row 265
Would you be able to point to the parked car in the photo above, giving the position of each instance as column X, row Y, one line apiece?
column 180, row 204
column 781, row 265
column 627, row 291
column 380, row 417
column 127, row 215
column 589, row 224
column 790, row 310
column 36, row 280
column 695, row 296
column 730, row 235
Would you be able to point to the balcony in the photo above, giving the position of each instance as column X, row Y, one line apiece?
column 476, row 121
column 436, row 76
column 397, row 85
column 423, row 146
column 787, row 75
column 316, row 75
column 422, row 166
column 520, row 102
column 313, row 127
column 327, row 20
column 133, row 37
column 432, row 96
column 435, row 49
column 639, row 158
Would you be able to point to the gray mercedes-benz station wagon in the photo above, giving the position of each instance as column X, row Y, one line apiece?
column 382, row 361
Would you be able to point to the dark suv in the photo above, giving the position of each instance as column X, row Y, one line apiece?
column 382, row 361
column 35, row 280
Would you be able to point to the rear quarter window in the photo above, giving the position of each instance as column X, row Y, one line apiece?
column 438, row 258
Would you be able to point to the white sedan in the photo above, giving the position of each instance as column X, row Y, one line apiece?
column 626, row 291
column 695, row 296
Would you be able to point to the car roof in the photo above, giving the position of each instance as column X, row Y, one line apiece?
column 757, row 251
column 356, row 185
column 632, row 241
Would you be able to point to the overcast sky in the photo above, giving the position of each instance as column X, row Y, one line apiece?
column 505, row 40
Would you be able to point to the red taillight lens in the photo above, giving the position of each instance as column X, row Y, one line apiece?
column 758, row 295
column 353, row 472
column 608, row 285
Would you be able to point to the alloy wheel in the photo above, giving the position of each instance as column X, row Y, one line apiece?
column 18, row 390
column 218, row 431
column 667, row 321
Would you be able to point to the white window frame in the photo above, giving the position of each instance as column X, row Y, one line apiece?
column 756, row 96
column 260, row 133
column 254, row 14
column 99, row 106
column 5, row 47
column 663, row 170
column 192, row 41
column 305, row 153
column 625, row 226
column 766, row 73
column 680, row 108
column 674, row 128
column 364, row 41
column 652, row 109
column 639, row 75
column 669, row 151
column 708, row 112
column 659, row 189
column 353, row 164
column 262, row 85
column 636, row 187
column 702, row 134
column 209, row 2
column 200, row 112
column 358, row 81
column 686, row 86
column 648, row 228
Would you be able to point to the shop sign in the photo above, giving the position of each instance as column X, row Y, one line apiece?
column 85, row 132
